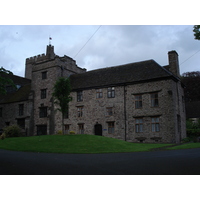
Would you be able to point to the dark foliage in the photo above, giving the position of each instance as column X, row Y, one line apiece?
column 196, row 30
column 13, row 131
column 5, row 81
column 61, row 93
column 191, row 80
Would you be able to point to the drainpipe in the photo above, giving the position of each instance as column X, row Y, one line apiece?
column 125, row 112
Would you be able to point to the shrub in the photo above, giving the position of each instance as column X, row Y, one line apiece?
column 71, row 132
column 59, row 132
column 3, row 136
column 193, row 132
column 187, row 139
column 12, row 131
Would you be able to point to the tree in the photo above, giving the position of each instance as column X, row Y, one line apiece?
column 191, row 80
column 4, row 80
column 61, row 93
column 196, row 30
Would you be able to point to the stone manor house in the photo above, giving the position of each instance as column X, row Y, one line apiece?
column 136, row 102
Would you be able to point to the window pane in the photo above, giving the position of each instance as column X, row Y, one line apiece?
column 80, row 96
column 44, row 75
column 157, row 127
column 111, row 92
column 137, row 128
column 111, row 128
column 99, row 93
column 80, row 111
column 43, row 93
column 81, row 128
column 154, row 100
column 153, row 127
column 110, row 111
column 139, row 125
column 141, row 128
column 21, row 109
column 43, row 112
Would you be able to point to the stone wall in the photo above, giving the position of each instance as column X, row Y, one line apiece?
column 54, row 68
column 10, row 115
column 94, row 111
column 170, row 111
column 125, row 113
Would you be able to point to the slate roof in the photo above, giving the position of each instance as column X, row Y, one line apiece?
column 20, row 94
column 119, row 75
column 17, row 79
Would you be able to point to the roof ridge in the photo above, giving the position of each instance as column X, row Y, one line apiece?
column 16, row 76
column 115, row 66
column 126, row 73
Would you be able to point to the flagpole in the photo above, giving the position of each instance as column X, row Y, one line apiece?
column 50, row 40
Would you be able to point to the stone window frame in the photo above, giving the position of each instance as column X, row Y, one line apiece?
column 66, row 128
column 111, row 127
column 154, row 99
column 43, row 111
column 139, row 125
column 21, row 109
column 80, row 111
column 109, row 111
column 81, row 128
column 99, row 93
column 138, row 101
column 80, row 95
column 155, row 124
column 43, row 93
column 111, row 92
column 44, row 75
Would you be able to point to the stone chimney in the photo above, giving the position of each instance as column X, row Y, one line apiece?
column 174, row 63
column 50, row 52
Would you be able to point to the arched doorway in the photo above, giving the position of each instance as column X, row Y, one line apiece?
column 98, row 129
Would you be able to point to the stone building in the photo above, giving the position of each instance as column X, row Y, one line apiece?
column 16, row 106
column 137, row 102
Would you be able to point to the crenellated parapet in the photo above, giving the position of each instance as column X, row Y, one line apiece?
column 38, row 58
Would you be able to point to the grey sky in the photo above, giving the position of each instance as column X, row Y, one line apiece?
column 111, row 45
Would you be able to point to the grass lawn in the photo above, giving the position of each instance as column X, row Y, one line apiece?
column 186, row 146
column 73, row 144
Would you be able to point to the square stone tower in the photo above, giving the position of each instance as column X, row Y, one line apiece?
column 44, row 70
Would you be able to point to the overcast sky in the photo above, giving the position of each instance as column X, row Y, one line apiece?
column 111, row 45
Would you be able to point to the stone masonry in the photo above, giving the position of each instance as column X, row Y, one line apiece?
column 136, row 102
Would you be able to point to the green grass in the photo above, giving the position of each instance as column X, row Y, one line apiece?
column 73, row 144
column 186, row 146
